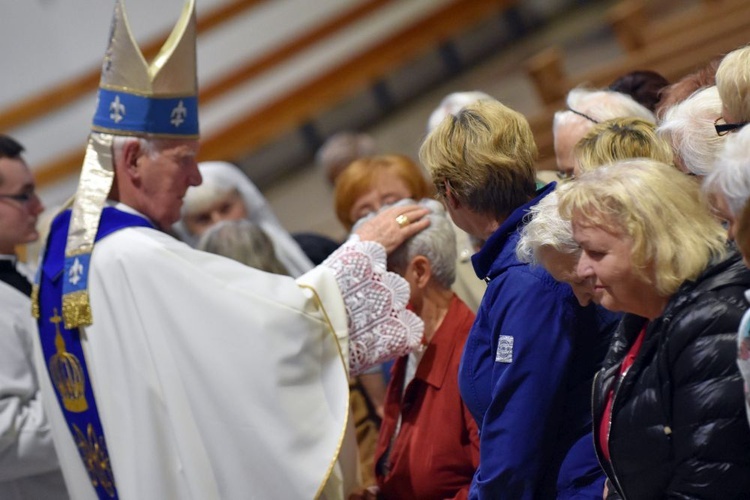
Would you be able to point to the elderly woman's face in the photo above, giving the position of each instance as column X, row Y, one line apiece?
column 386, row 188
column 563, row 268
column 228, row 206
column 606, row 259
column 720, row 208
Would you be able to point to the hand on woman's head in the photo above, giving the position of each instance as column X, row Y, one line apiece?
column 393, row 226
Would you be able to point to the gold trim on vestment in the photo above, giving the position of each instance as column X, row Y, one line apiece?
column 35, row 313
column 76, row 309
column 332, row 330
column 146, row 93
column 104, row 130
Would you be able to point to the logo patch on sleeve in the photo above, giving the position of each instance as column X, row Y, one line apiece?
column 504, row 352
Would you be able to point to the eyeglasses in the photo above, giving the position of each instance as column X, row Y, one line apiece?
column 583, row 115
column 723, row 128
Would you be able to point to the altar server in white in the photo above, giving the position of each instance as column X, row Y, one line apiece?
column 28, row 463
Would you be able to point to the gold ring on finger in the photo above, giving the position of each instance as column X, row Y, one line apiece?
column 402, row 220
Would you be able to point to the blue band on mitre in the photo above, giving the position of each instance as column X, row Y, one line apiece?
column 158, row 116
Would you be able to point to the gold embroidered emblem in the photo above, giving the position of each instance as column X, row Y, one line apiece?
column 94, row 453
column 67, row 373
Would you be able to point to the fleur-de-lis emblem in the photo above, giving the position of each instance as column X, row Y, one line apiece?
column 93, row 450
column 74, row 275
column 117, row 110
column 179, row 113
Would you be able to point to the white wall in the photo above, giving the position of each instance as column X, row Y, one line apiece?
column 55, row 40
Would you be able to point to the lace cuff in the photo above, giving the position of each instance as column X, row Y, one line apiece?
column 380, row 327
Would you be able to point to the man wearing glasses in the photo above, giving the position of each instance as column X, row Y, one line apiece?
column 586, row 108
column 28, row 463
column 723, row 128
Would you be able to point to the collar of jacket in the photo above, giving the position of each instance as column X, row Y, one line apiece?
column 720, row 272
column 486, row 263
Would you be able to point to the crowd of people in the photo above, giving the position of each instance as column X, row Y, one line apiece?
column 478, row 334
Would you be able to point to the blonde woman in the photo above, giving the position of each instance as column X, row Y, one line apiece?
column 733, row 82
column 669, row 416
column 525, row 345
column 620, row 139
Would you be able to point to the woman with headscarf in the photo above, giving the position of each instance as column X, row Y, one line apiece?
column 226, row 193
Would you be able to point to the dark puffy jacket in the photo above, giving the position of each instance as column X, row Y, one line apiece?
column 679, row 428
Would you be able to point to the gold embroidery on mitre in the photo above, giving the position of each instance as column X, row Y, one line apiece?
column 35, row 301
column 96, row 459
column 171, row 73
column 76, row 309
column 67, row 373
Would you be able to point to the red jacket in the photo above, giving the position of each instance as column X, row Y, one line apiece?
column 437, row 448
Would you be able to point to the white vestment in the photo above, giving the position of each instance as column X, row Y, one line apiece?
column 28, row 464
column 212, row 379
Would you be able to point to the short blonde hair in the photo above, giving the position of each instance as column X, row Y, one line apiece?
column 341, row 149
column 620, row 139
column 733, row 82
column 486, row 153
column 660, row 209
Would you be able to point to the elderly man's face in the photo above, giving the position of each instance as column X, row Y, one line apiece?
column 19, row 205
column 565, row 140
column 165, row 176
column 562, row 267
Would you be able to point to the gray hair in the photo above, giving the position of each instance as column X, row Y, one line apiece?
column 437, row 243
column 731, row 174
column 689, row 127
column 598, row 106
column 149, row 146
column 452, row 104
column 243, row 241
column 545, row 229
column 341, row 149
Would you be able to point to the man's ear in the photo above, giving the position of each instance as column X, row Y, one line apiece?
column 422, row 270
column 131, row 152
column 450, row 197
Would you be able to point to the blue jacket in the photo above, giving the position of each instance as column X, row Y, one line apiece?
column 526, row 376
